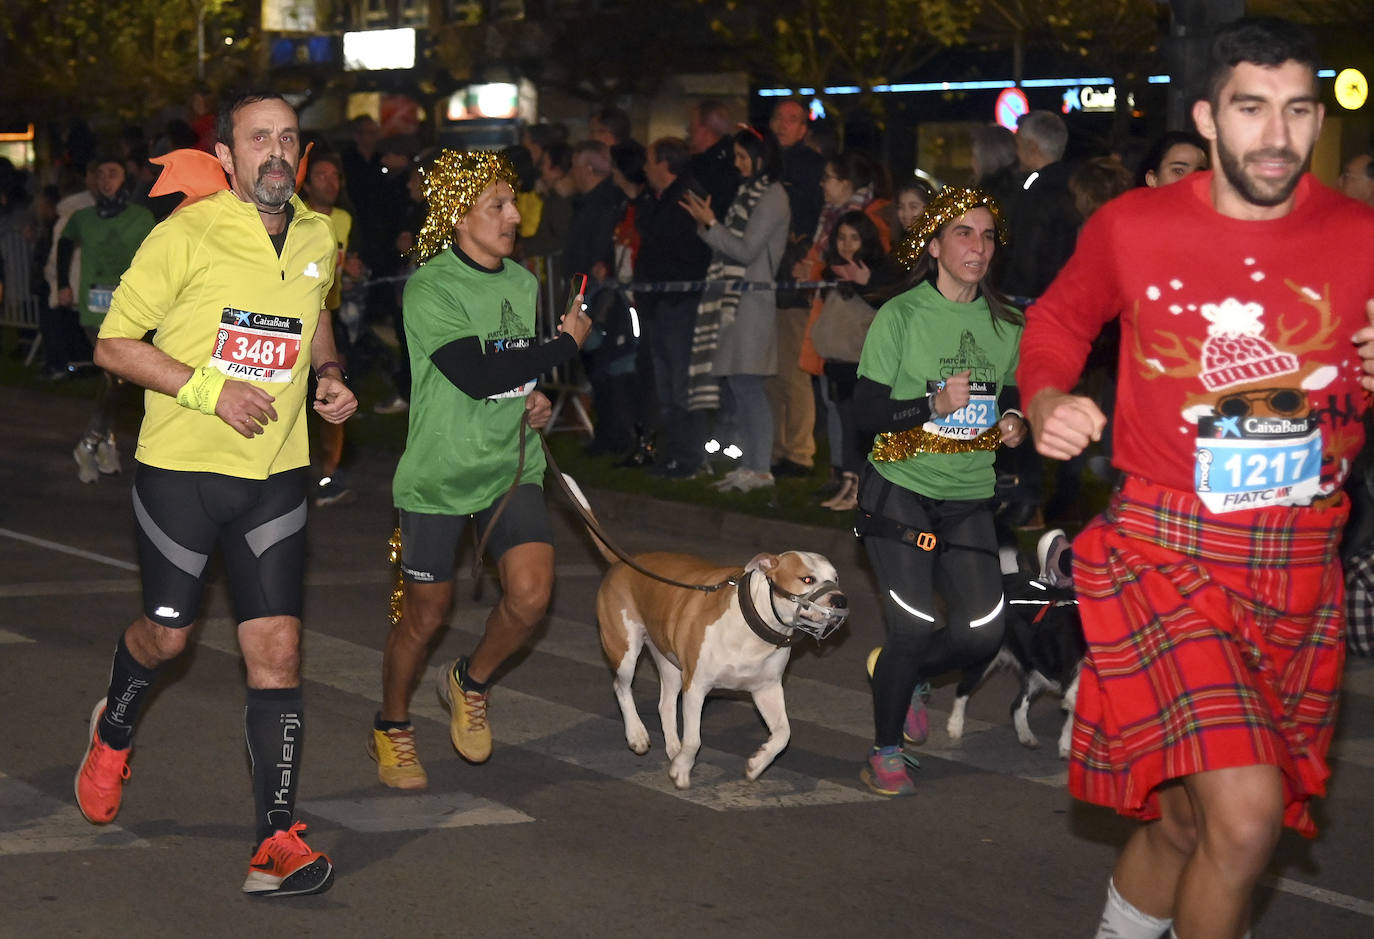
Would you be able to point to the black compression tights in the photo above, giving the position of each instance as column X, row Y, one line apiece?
column 923, row 640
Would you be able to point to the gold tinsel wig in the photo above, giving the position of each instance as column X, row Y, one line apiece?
column 949, row 204
column 451, row 186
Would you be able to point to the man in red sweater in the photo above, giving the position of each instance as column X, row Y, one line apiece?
column 1210, row 589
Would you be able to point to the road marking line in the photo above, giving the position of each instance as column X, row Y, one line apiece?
column 67, row 588
column 415, row 812
column 68, row 549
column 36, row 823
column 564, row 733
column 7, row 637
column 1321, row 895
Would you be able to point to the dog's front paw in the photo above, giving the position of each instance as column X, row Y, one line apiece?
column 680, row 773
column 759, row 762
column 638, row 739
column 672, row 747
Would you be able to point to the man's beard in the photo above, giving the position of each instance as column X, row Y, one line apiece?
column 274, row 193
column 1261, row 192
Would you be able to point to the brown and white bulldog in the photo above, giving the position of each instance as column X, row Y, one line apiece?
column 738, row 637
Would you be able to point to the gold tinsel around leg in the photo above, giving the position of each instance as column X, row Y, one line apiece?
column 397, row 592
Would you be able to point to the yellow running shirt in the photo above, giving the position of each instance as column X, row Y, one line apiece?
column 211, row 284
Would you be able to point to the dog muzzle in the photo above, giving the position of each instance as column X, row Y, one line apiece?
column 811, row 616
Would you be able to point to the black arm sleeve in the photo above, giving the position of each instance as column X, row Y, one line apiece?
column 481, row 376
column 877, row 412
column 65, row 249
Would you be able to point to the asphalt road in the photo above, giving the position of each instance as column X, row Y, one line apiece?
column 564, row 832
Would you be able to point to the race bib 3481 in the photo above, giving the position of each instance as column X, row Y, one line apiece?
column 256, row 346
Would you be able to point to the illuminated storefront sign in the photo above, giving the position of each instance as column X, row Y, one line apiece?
column 376, row 49
column 1092, row 99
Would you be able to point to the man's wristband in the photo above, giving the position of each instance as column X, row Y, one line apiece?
column 343, row 376
column 201, row 391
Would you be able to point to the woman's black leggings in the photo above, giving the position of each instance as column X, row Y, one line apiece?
column 960, row 564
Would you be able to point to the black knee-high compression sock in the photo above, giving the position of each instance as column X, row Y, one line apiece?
column 272, row 725
column 130, row 683
column 894, row 679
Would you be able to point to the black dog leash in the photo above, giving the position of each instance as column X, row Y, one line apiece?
column 600, row 534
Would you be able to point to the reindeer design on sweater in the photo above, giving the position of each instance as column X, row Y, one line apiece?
column 1254, row 418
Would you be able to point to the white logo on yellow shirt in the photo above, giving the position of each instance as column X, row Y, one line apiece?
column 312, row 270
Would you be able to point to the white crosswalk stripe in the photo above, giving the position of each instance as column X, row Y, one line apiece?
column 415, row 812
column 561, row 732
column 36, row 823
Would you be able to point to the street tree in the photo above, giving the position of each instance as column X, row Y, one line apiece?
column 817, row 43
column 110, row 60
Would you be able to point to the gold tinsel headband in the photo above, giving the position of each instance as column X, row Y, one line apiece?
column 451, row 188
column 950, row 203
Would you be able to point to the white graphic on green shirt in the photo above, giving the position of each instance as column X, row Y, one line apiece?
column 970, row 357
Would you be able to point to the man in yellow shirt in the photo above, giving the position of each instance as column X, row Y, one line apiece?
column 234, row 287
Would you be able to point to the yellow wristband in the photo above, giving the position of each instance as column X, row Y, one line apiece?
column 201, row 391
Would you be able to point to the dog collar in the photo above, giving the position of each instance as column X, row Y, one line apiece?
column 751, row 616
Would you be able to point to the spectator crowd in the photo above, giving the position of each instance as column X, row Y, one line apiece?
column 697, row 365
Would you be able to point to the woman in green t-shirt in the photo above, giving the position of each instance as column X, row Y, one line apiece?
column 936, row 358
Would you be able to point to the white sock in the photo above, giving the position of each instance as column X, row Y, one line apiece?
column 1120, row 920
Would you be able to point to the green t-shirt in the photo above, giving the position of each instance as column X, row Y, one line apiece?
column 919, row 338
column 108, row 246
column 461, row 452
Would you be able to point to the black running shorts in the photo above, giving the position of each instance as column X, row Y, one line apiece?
column 258, row 524
column 429, row 543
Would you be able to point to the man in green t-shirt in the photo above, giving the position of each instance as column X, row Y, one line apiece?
column 108, row 234
column 470, row 328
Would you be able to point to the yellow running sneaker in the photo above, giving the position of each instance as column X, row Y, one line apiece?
column 398, row 765
column 467, row 717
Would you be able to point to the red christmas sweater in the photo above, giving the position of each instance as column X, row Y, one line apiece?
column 1237, row 375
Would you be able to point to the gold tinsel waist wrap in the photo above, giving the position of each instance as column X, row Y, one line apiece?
column 904, row 444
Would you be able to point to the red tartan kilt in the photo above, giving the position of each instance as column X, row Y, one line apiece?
column 1214, row 641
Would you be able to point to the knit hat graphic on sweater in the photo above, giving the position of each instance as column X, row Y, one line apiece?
column 1235, row 352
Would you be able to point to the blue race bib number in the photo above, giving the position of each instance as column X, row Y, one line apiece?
column 974, row 418
column 1274, row 461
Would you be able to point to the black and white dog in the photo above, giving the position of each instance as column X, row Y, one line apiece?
column 1043, row 643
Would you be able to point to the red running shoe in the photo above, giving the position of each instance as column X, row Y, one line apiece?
column 100, row 780
column 285, row 866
